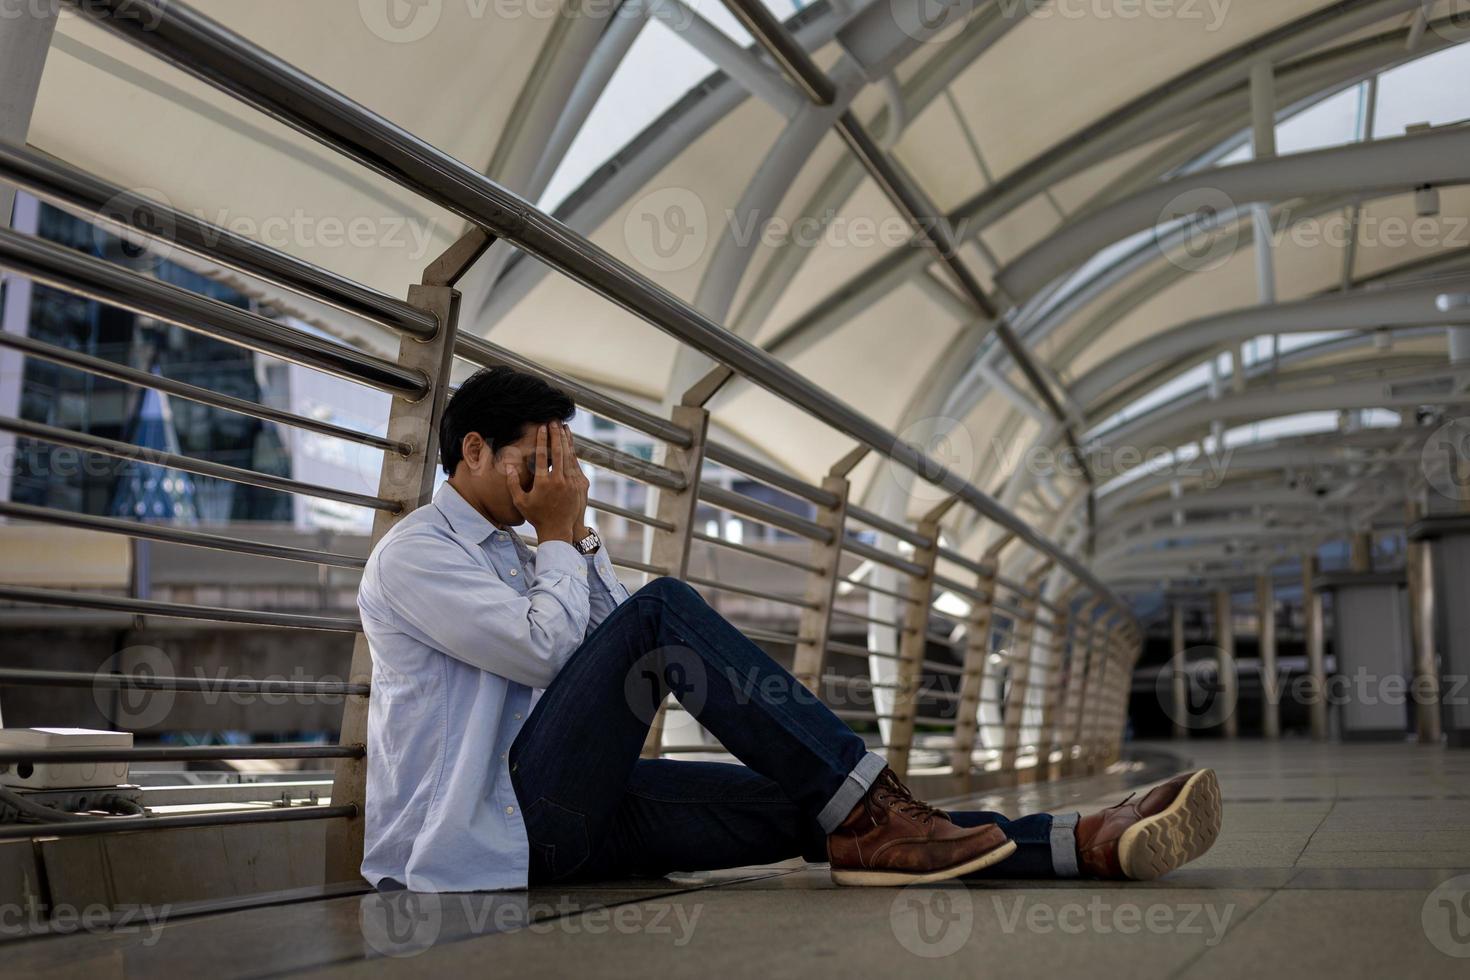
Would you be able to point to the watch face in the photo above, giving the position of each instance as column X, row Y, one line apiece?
column 589, row 544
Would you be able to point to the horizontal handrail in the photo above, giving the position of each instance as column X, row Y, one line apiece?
column 160, row 682
column 178, row 610
column 60, row 183
column 636, row 516
column 788, row 600
column 610, row 458
column 880, row 523
column 746, row 549
column 880, row 590
column 205, row 49
column 176, row 535
column 75, row 272
column 478, row 350
column 182, row 389
column 754, row 468
column 117, row 825
column 87, row 442
column 764, row 513
column 181, row 753
column 863, row 550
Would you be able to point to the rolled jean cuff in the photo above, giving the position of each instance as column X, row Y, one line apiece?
column 853, row 789
column 1064, row 845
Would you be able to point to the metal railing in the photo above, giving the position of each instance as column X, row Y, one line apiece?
column 1054, row 684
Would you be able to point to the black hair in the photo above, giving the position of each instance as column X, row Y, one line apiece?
column 498, row 403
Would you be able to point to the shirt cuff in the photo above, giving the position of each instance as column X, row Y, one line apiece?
column 601, row 564
column 559, row 556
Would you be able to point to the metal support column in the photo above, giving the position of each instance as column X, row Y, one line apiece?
column 1076, row 689
column 1419, row 559
column 1229, row 682
column 1270, row 679
column 409, row 480
column 914, row 640
column 1316, row 655
column 1179, row 679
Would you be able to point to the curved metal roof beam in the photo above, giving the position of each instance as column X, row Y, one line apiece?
column 1356, row 309
column 1299, row 453
column 1438, row 157
column 1163, row 105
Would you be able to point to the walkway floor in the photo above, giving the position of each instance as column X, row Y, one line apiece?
column 1334, row 861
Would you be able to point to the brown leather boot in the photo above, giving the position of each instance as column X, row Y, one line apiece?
column 890, row 838
column 1173, row 824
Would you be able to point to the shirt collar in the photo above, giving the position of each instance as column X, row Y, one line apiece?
column 462, row 517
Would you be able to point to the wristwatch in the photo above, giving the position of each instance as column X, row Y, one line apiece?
column 589, row 544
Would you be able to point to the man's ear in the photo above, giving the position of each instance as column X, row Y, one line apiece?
column 476, row 452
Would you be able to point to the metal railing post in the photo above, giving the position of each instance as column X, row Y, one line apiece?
column 1061, row 638
column 410, row 481
column 1099, row 676
column 977, row 653
column 1021, row 659
column 815, row 627
column 670, row 550
column 1076, row 686
column 914, row 640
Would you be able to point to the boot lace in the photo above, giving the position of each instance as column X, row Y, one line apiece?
column 888, row 791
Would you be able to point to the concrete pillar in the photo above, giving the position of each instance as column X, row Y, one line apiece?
column 1316, row 656
column 1229, row 684
column 1180, row 689
column 25, row 40
column 1270, row 680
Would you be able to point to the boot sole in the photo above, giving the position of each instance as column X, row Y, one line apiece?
column 891, row 879
column 1180, row 833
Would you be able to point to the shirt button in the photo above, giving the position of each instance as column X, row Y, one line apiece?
column 518, row 716
column 512, row 572
column 509, row 810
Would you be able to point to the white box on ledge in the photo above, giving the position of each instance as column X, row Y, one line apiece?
column 63, row 775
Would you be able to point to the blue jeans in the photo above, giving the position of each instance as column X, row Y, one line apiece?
column 594, row 809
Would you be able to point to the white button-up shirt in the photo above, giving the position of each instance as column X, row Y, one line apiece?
column 466, row 625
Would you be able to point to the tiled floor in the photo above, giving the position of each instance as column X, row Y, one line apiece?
column 1334, row 861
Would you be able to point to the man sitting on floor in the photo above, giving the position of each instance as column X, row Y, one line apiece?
column 512, row 693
